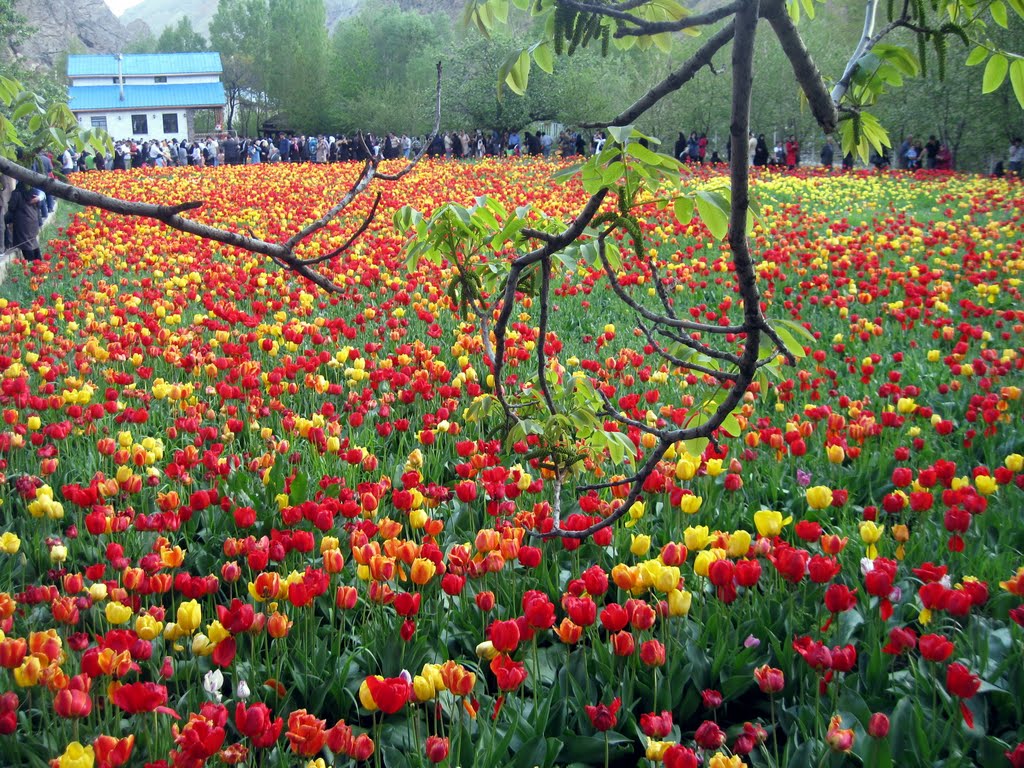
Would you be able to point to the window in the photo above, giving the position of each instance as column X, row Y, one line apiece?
column 160, row 79
column 140, row 126
column 117, row 81
column 171, row 123
column 99, row 122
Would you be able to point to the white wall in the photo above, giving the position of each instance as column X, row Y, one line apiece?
column 148, row 80
column 119, row 124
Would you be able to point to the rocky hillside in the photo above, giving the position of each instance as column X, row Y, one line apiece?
column 75, row 26
column 159, row 14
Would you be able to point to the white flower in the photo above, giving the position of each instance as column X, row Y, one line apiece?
column 213, row 681
column 242, row 690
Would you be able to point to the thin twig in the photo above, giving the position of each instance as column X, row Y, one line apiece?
column 348, row 243
column 679, row 362
column 675, row 80
column 552, row 246
column 687, row 22
column 545, row 294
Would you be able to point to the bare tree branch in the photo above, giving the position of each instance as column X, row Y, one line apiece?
column 753, row 320
column 774, row 336
column 553, row 245
column 361, row 183
column 654, row 317
column 688, row 22
column 675, row 80
column 678, row 361
column 348, row 243
column 807, row 74
column 643, row 26
column 545, row 295
column 863, row 46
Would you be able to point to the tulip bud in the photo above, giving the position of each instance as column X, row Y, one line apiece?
column 878, row 726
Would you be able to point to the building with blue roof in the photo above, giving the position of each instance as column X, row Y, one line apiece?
column 145, row 96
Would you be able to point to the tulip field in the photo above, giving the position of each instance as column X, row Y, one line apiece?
column 248, row 522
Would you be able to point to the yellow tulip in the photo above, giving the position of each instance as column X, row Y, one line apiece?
column 640, row 544
column 696, row 537
column 190, row 616
column 77, row 756
column 739, row 543
column 819, row 497
column 10, row 543
column 769, row 522
column 690, row 504
column 986, row 485
column 870, row 533
column 721, row 760
column 147, row 627
column 679, row 601
column 117, row 613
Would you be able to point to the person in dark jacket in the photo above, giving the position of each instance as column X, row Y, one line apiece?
column 827, row 154
column 232, row 153
column 23, row 216
column 761, row 153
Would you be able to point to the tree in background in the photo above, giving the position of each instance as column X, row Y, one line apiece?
column 296, row 60
column 181, row 38
column 377, row 84
column 240, row 31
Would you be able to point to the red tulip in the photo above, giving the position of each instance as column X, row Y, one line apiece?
column 510, row 674
column 604, row 716
column 878, row 725
column 113, row 752
column 389, row 694
column 505, row 636
column 436, row 749
column 935, row 647
column 140, row 697
column 769, row 679
column 258, row 723
column 678, row 756
column 709, row 735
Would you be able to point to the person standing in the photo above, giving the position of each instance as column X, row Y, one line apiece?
column 827, row 154
column 232, row 151
column 792, row 152
column 931, row 152
column 905, row 147
column 23, row 213
column 692, row 149
column 1015, row 160
column 761, row 153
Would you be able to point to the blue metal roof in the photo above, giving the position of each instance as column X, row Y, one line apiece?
column 92, row 98
column 143, row 64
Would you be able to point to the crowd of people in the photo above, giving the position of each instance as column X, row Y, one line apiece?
column 230, row 150
column 26, row 208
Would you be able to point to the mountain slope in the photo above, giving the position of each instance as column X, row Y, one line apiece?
column 81, row 26
column 160, row 14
